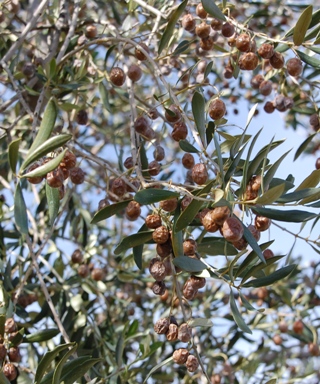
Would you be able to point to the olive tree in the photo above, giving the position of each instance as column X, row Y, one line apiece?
column 135, row 224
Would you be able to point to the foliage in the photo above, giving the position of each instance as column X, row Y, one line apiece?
column 113, row 111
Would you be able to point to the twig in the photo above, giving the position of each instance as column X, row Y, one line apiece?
column 28, row 27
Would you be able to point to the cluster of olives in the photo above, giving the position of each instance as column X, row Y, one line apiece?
column 55, row 179
column 9, row 352
column 84, row 269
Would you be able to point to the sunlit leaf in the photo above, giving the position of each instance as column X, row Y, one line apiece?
column 20, row 211
column 310, row 181
column 132, row 241
column 13, row 154
column 311, row 60
column 271, row 195
column 43, row 335
column 46, row 126
column 153, row 195
column 189, row 264
column 237, row 315
column 168, row 32
column 250, row 115
column 198, row 110
column 302, row 25
column 47, row 147
column 47, row 167
column 109, row 211
column 278, row 275
column 213, row 9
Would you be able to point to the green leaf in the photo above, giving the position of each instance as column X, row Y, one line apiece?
column 177, row 243
column 261, row 155
column 43, row 335
column 247, row 305
column 109, row 211
column 208, row 69
column 119, row 350
column 60, row 365
column 53, row 200
column 46, row 126
column 20, row 211
column 13, row 154
column 158, row 366
column 272, row 381
column 244, row 180
column 256, row 268
column 77, row 368
column 303, row 146
column 104, row 96
column 250, row 115
column 47, row 167
column 278, row 275
column 299, row 195
column 132, row 241
column 198, row 110
column 232, row 168
column 183, row 46
column 153, row 195
column 192, row 209
column 290, row 216
column 168, row 32
column 210, row 131
column 17, row 339
column 271, row 195
column 272, row 170
column 315, row 63
column 213, row 9
column 252, row 242
column 219, row 156
column 200, row 322
column 215, row 246
column 137, row 255
column 251, row 259
column 310, row 181
column 302, row 25
column 48, row 146
column 189, row 264
column 237, row 315
column 314, row 21
column 45, row 362
column 187, row 147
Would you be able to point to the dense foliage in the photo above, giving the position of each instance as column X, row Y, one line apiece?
column 134, row 232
